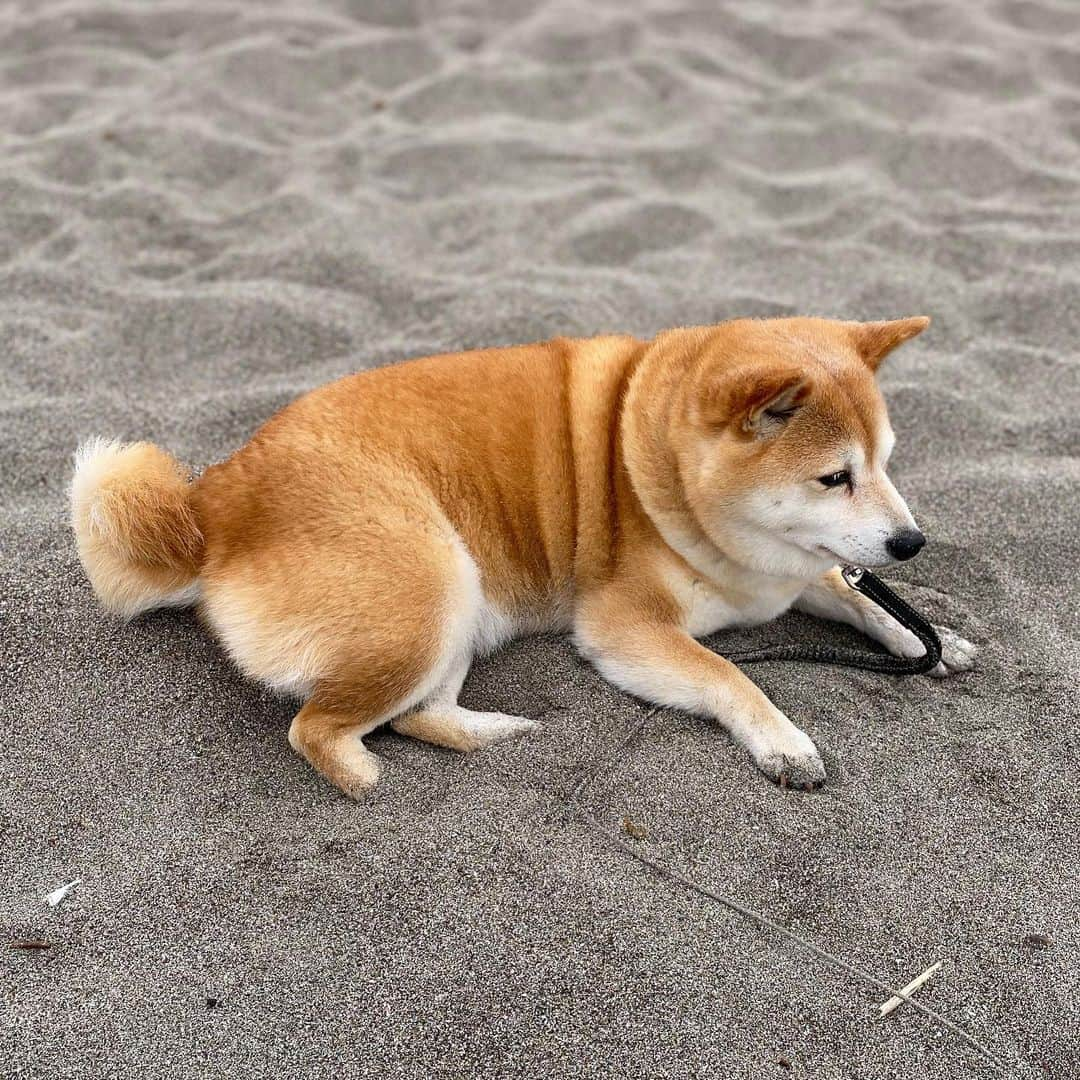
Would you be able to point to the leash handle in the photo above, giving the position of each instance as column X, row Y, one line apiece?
column 873, row 588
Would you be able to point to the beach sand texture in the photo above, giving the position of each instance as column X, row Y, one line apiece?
column 208, row 207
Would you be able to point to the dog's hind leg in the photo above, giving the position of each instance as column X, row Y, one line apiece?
column 400, row 660
column 388, row 669
column 442, row 721
column 388, row 660
column 368, row 622
column 462, row 729
column 332, row 742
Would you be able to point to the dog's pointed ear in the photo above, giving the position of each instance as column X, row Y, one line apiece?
column 875, row 340
column 756, row 401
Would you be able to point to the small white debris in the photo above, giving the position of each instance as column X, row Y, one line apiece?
column 895, row 1002
column 57, row 895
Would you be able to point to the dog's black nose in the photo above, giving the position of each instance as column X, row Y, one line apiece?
column 905, row 544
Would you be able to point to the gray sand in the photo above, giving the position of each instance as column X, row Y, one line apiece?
column 208, row 207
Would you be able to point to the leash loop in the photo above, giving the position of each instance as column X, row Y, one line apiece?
column 873, row 588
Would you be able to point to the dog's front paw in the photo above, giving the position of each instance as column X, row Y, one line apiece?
column 957, row 654
column 792, row 761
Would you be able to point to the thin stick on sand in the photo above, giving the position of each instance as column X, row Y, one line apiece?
column 895, row 1002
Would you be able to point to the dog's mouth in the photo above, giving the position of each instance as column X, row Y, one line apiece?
column 828, row 553
column 844, row 560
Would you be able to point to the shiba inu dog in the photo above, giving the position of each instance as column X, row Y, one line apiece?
column 379, row 532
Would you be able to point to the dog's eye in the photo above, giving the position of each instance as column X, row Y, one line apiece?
column 835, row 479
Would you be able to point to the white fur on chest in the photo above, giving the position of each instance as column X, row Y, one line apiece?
column 706, row 607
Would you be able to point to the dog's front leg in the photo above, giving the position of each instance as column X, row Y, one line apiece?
column 656, row 660
column 831, row 597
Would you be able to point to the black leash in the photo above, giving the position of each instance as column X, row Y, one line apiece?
column 876, row 590
column 872, row 587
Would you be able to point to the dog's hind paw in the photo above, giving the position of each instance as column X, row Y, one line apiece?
column 957, row 654
column 461, row 729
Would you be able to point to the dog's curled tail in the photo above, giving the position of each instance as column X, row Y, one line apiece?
column 137, row 534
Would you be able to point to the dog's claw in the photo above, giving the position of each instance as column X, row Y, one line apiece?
column 798, row 768
column 785, row 782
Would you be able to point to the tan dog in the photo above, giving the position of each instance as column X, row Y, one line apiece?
column 378, row 533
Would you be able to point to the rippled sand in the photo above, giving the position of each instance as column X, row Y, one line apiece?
column 208, row 207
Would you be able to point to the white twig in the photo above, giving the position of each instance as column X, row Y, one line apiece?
column 896, row 1002
column 57, row 895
